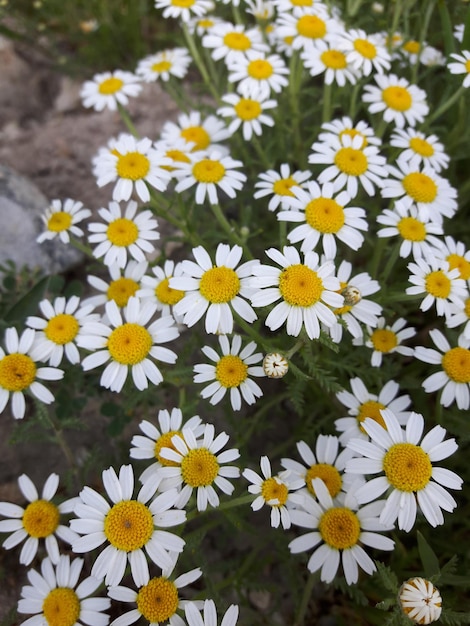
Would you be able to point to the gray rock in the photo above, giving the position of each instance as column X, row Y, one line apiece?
column 21, row 207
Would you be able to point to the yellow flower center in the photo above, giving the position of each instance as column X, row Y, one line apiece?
column 61, row 607
column 325, row 215
column 41, row 518
column 340, row 528
column 411, row 229
column 219, row 284
column 199, row 467
column 164, row 441
column 196, row 135
column 283, row 186
column 17, row 372
column 311, row 26
column 121, row 289
column 110, row 86
column 371, row 408
column 397, row 98
column 177, row 156
column 59, row 221
column 421, row 146
column 437, row 284
column 62, row 328
column 248, row 109
column 350, row 161
column 129, row 344
column 329, row 475
column 161, row 66
column 302, row 3
column 272, row 490
column 158, row 600
column 231, row 371
column 456, row 364
column 420, row 187
column 353, row 132
column 334, row 59
column 260, row 69
column 384, row 340
column 365, row 48
column 183, row 4
column 237, row 41
column 122, row 232
column 467, row 307
column 407, row 467
column 133, row 165
column 166, row 295
column 300, row 286
column 412, row 46
column 128, row 525
column 460, row 262
column 208, row 171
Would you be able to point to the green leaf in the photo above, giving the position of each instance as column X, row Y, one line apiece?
column 28, row 304
column 428, row 558
column 387, row 577
column 466, row 32
column 446, row 27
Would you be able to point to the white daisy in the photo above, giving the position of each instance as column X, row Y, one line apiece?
column 400, row 102
column 178, row 150
column 274, row 491
column 19, row 372
column 39, row 521
column 361, row 403
column 128, row 526
column 215, row 289
column 130, row 343
column 366, row 53
column 324, row 215
column 258, row 74
column 249, row 113
column 184, row 10
column 412, row 50
column 460, row 317
column 341, row 531
column 61, row 219
column 386, row 339
column 122, row 233
column 261, row 10
column 202, row 132
column 457, row 255
column 407, row 470
column 229, row 41
column 164, row 64
column 420, row 600
column 209, row 617
column 459, row 31
column 110, row 89
column 307, row 290
column 432, row 57
column 133, row 165
column 420, row 148
column 124, row 283
column 326, row 58
column 461, row 65
column 280, row 185
column 231, row 371
column 454, row 377
column 202, row 25
column 199, row 464
column 157, row 288
column 56, row 597
column 307, row 27
column 343, row 127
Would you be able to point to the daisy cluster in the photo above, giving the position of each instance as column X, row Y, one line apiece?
column 317, row 223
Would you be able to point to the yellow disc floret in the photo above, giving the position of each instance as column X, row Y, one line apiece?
column 59, row 222
column 161, row 66
column 300, row 286
column 283, row 186
column 129, row 344
column 420, row 187
column 340, row 528
column 128, row 525
column 273, row 489
column 196, row 135
column 311, row 27
column 121, row 289
column 158, row 600
column 372, row 409
column 110, row 86
column 325, row 215
column 199, row 468
column 384, row 340
column 334, row 59
column 219, row 284
column 421, row 147
column 438, row 284
column 231, row 371
column 62, row 328
column 61, row 607
column 17, row 372
column 352, row 162
column 461, row 263
column 41, row 518
column 122, row 232
column 353, row 132
column 166, row 294
column 208, row 171
column 411, row 229
column 237, row 41
column 456, row 364
column 407, row 467
column 329, row 475
column 183, row 4
column 397, row 98
column 132, row 165
column 248, row 109
column 260, row 69
column 164, row 441
column 365, row 48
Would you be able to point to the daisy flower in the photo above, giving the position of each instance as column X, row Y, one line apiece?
column 365, row 53
column 307, row 27
column 420, row 600
column 157, row 288
column 61, row 219
column 280, row 185
column 257, row 74
column 418, row 236
column 341, row 531
column 461, row 65
column 441, row 285
column 110, row 89
column 39, row 520
column 460, row 317
column 249, row 113
column 164, row 64
column 274, row 491
column 209, row 617
column 214, row 289
column 158, row 600
column 344, row 127
column 431, row 193
column 349, row 163
column 406, row 468
column 411, row 50
column 229, row 41
column 432, row 57
column 149, row 445
column 55, row 596
column 208, row 171
column 65, row 321
column 324, row 215
column 400, row 102
column 457, row 255
column 261, row 10
column 454, row 377
column 361, row 403
column 231, row 371
column 306, row 289
column 122, row 233
column 275, row 365
column 124, row 283
column 420, row 148
column 199, row 464
column 184, row 10
column 458, row 32
column 387, row 339
column 128, row 526
column 203, row 25
column 178, row 150
column 19, row 372
column 130, row 343
column 326, row 58
column 202, row 132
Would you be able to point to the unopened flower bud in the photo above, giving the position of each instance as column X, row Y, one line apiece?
column 351, row 295
column 420, row 600
column 275, row 365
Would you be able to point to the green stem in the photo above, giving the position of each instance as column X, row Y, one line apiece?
column 44, row 415
column 229, row 229
column 444, row 106
column 295, row 78
column 155, row 205
column 76, row 243
column 427, row 17
column 391, row 262
column 326, row 110
column 251, row 332
column 223, row 506
column 200, row 63
column 304, row 602
column 379, row 249
column 127, row 120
